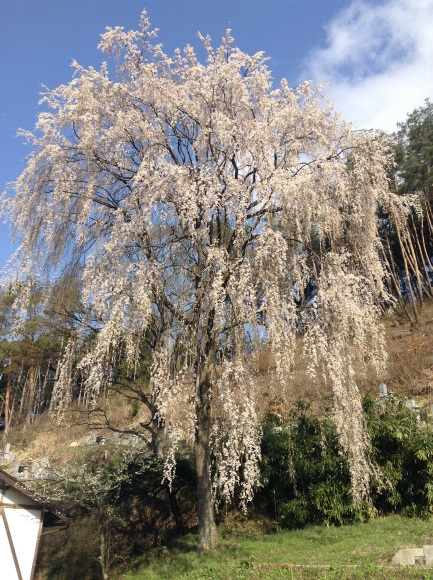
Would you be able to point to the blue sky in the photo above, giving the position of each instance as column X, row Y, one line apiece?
column 376, row 54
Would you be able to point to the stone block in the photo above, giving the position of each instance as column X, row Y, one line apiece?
column 407, row 557
column 428, row 555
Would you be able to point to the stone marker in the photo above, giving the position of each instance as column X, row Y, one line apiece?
column 383, row 390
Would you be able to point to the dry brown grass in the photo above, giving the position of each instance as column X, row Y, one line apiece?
column 45, row 437
column 410, row 366
column 58, row 437
column 410, row 369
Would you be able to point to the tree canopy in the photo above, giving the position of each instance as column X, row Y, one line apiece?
column 212, row 215
column 415, row 151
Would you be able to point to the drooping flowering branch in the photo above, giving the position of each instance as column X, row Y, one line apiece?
column 202, row 203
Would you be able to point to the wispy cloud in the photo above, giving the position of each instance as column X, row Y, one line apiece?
column 378, row 60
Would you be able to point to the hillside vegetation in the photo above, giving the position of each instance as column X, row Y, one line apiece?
column 120, row 506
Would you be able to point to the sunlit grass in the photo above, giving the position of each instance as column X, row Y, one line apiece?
column 359, row 551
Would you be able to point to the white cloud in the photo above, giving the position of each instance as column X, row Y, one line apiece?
column 378, row 60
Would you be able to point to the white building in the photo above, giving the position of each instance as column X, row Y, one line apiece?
column 23, row 514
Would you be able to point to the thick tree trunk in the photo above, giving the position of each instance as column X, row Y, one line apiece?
column 207, row 532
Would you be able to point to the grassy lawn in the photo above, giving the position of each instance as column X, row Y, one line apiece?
column 358, row 551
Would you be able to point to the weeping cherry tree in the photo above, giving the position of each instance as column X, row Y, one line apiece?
column 219, row 216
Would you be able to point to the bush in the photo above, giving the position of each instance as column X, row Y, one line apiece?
column 402, row 447
column 305, row 476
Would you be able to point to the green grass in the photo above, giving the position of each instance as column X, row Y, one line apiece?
column 360, row 551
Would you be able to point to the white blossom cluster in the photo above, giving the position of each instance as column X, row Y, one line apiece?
column 201, row 203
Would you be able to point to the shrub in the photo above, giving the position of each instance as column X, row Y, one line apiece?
column 402, row 447
column 305, row 476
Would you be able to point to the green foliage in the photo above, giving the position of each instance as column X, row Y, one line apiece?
column 402, row 447
column 414, row 152
column 305, row 476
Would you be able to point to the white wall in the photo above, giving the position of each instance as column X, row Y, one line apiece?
column 24, row 525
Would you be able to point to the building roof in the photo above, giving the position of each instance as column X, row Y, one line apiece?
column 52, row 515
